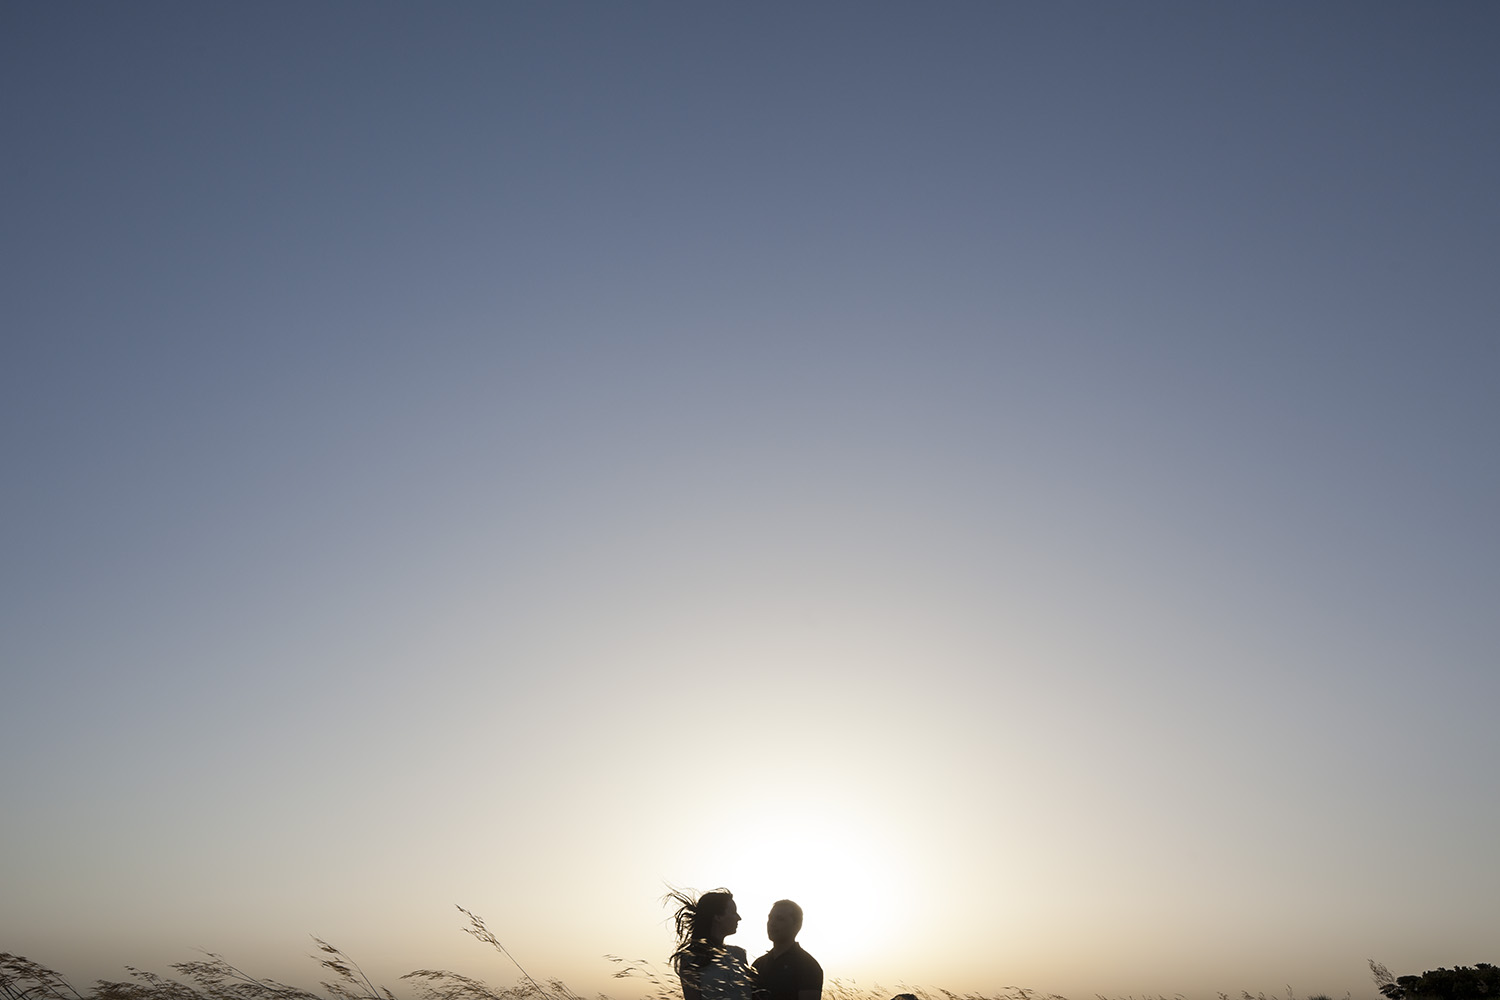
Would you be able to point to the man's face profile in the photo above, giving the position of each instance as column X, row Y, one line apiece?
column 782, row 924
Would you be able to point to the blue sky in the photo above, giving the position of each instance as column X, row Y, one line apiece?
column 1019, row 478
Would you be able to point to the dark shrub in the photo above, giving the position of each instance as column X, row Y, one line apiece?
column 1482, row 982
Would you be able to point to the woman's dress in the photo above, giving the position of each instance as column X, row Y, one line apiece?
column 716, row 973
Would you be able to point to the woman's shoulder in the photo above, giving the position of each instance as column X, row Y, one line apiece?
column 694, row 956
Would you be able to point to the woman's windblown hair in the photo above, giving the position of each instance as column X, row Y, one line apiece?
column 692, row 921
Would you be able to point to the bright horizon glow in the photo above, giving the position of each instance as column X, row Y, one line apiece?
column 849, row 888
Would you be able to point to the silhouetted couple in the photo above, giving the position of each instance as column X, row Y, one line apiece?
column 711, row 970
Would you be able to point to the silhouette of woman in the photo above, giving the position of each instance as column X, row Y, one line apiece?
column 708, row 968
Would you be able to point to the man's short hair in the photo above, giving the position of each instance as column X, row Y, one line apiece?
column 795, row 909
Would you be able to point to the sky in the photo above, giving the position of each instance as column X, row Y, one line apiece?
column 1019, row 479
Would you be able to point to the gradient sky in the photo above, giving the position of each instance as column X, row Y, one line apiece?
column 1021, row 479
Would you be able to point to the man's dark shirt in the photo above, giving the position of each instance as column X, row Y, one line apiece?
column 787, row 974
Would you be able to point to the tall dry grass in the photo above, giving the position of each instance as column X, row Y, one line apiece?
column 215, row 978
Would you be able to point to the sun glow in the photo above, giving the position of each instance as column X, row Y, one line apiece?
column 837, row 872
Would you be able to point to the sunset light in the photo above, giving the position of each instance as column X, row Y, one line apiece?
column 1019, row 479
column 848, row 883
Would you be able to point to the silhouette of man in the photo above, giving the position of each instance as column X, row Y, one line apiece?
column 786, row 972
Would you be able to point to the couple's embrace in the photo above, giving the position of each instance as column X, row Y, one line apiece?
column 711, row 970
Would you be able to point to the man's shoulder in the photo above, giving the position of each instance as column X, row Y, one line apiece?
column 796, row 955
column 802, row 956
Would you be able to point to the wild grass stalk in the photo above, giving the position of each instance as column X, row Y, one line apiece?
column 214, row 978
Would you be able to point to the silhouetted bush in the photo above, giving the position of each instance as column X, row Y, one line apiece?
column 1482, row 982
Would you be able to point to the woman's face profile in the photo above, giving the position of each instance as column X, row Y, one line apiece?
column 727, row 921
